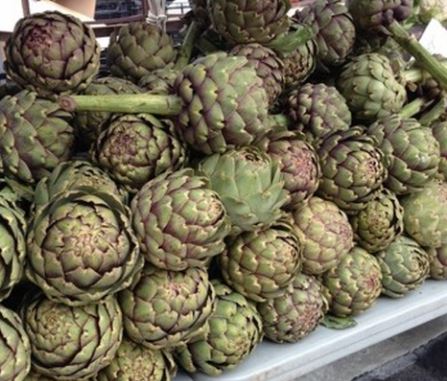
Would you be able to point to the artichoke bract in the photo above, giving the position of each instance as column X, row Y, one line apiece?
column 412, row 154
column 52, row 53
column 133, row 362
column 425, row 219
column 440, row 133
column 179, row 221
column 261, row 264
column 164, row 309
column 136, row 148
column 300, row 63
column 85, row 241
column 376, row 226
column 354, row 284
column 72, row 343
column 249, row 184
column 12, row 247
column 299, row 165
column 224, row 103
column 370, row 87
column 405, row 265
column 438, row 263
column 295, row 314
column 90, row 124
column 160, row 81
column 249, row 21
column 334, row 28
column 234, row 330
column 34, row 136
column 269, row 67
column 353, row 169
column 327, row 234
column 138, row 48
column 15, row 348
column 317, row 111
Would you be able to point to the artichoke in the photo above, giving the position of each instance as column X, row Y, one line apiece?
column 440, row 133
column 438, row 263
column 136, row 148
column 412, row 154
column 354, row 284
column 300, row 63
column 318, row 110
column 353, row 169
column 405, row 266
column 164, row 309
column 244, row 22
column 90, row 124
column 295, row 314
column 334, row 29
column 72, row 343
column 327, row 234
column 269, row 67
column 299, row 165
column 12, row 247
column 52, row 53
column 138, row 48
column 425, row 219
column 249, row 184
column 160, row 81
column 261, row 264
column 234, row 330
column 34, row 136
column 378, row 225
column 179, row 221
column 133, row 362
column 83, row 239
column 224, row 104
column 370, row 87
column 429, row 9
column 15, row 349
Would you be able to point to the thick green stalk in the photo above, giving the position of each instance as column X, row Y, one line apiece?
column 123, row 103
column 288, row 43
column 413, row 108
column 434, row 113
column 188, row 45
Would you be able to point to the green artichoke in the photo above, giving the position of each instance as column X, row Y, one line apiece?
column 425, row 219
column 353, row 169
column 429, row 9
column 378, row 225
column 299, row 165
column 412, row 154
column 34, row 136
column 12, row 247
column 261, row 264
column 334, row 29
column 370, row 87
column 249, row 184
column 269, row 67
column 83, row 239
column 179, row 221
column 234, row 330
column 405, row 266
column 133, row 362
column 15, row 349
column 327, row 234
column 138, row 48
column 164, row 309
column 224, row 104
column 440, row 133
column 136, row 148
column 90, row 124
column 160, row 81
column 300, row 64
column 318, row 111
column 295, row 314
column 52, row 53
column 244, row 22
column 354, row 284
column 438, row 262
column 72, row 343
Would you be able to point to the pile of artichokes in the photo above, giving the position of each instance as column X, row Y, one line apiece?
column 265, row 174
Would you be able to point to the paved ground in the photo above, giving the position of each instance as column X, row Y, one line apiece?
column 416, row 355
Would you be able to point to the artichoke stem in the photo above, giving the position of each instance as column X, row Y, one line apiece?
column 434, row 113
column 413, row 75
column 123, row 103
column 413, row 108
column 187, row 47
column 422, row 55
column 292, row 41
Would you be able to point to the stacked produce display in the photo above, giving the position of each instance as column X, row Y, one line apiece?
column 270, row 173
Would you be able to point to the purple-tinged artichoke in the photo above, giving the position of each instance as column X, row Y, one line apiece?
column 300, row 64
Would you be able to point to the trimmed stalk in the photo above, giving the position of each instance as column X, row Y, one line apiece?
column 188, row 44
column 413, row 108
